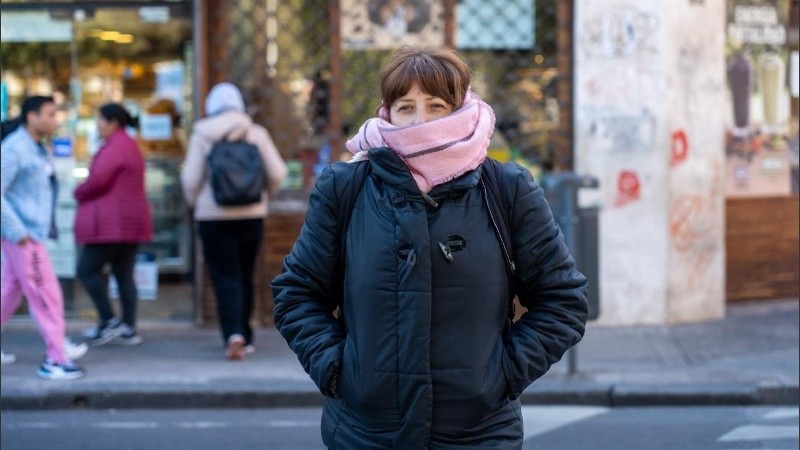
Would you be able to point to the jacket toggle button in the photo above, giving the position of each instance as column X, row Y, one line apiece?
column 448, row 255
column 399, row 200
column 407, row 253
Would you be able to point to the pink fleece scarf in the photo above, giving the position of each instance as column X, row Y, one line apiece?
column 436, row 151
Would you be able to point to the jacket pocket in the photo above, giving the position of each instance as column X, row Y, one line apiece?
column 368, row 396
column 514, row 387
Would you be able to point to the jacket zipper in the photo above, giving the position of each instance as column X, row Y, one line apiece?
column 497, row 229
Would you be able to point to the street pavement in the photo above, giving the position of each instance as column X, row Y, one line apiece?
column 562, row 427
column 748, row 358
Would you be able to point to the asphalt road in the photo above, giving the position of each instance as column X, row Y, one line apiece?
column 546, row 427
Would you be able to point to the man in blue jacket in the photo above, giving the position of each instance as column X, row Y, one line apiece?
column 27, row 184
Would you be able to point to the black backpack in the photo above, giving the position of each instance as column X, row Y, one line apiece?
column 236, row 172
column 494, row 193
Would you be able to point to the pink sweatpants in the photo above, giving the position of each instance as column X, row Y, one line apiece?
column 27, row 271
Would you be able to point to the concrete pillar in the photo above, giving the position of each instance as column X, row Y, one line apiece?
column 649, row 110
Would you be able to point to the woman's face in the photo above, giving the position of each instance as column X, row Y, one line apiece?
column 104, row 127
column 417, row 107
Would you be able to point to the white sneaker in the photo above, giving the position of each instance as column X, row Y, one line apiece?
column 89, row 332
column 249, row 349
column 54, row 371
column 128, row 336
column 7, row 358
column 106, row 332
column 235, row 350
column 73, row 350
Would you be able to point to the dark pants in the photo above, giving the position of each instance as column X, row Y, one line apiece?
column 122, row 258
column 230, row 248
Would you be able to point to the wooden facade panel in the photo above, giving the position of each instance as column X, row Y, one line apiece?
column 762, row 242
column 281, row 232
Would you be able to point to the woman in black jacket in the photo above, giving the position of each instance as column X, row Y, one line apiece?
column 422, row 353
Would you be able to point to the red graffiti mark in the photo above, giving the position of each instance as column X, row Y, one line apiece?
column 628, row 187
column 592, row 87
column 693, row 225
column 684, row 214
column 680, row 147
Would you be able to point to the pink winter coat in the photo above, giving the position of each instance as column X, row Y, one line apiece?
column 112, row 204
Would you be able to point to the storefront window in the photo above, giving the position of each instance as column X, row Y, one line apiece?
column 89, row 53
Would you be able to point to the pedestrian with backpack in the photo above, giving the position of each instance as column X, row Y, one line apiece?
column 397, row 295
column 231, row 168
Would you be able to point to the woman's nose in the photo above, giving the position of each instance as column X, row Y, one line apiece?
column 421, row 117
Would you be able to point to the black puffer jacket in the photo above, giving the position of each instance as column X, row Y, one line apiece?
column 423, row 356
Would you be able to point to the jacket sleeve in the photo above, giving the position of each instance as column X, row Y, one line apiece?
column 547, row 284
column 102, row 174
column 12, row 227
column 193, row 171
column 304, row 292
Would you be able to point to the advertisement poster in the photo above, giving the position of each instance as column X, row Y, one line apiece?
column 387, row 24
column 63, row 251
column 758, row 134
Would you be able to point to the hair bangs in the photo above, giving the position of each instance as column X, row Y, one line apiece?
column 440, row 74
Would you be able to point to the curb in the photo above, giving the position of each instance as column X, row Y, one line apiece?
column 160, row 400
column 609, row 396
column 667, row 395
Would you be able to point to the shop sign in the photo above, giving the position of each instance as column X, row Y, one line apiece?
column 154, row 14
column 62, row 147
column 756, row 24
column 495, row 24
column 155, row 127
column 36, row 26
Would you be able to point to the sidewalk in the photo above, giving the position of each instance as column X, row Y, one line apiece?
column 750, row 357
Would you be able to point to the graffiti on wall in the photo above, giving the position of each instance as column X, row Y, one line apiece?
column 693, row 230
column 619, row 33
column 629, row 188
column 626, row 131
column 695, row 84
column 679, row 147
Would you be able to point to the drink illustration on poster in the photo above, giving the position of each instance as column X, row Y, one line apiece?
column 758, row 134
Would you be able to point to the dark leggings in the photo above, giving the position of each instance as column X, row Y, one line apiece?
column 230, row 248
column 122, row 258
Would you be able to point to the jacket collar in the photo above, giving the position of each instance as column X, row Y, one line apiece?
column 390, row 168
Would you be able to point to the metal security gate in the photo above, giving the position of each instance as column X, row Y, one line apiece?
column 308, row 70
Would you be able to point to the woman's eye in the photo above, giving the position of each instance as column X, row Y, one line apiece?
column 404, row 108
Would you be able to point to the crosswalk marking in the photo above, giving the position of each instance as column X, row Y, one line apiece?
column 784, row 413
column 765, row 431
column 541, row 419
column 760, row 433
column 203, row 425
column 40, row 425
column 125, row 425
column 293, row 423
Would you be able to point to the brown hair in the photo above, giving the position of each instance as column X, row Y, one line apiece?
column 440, row 72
